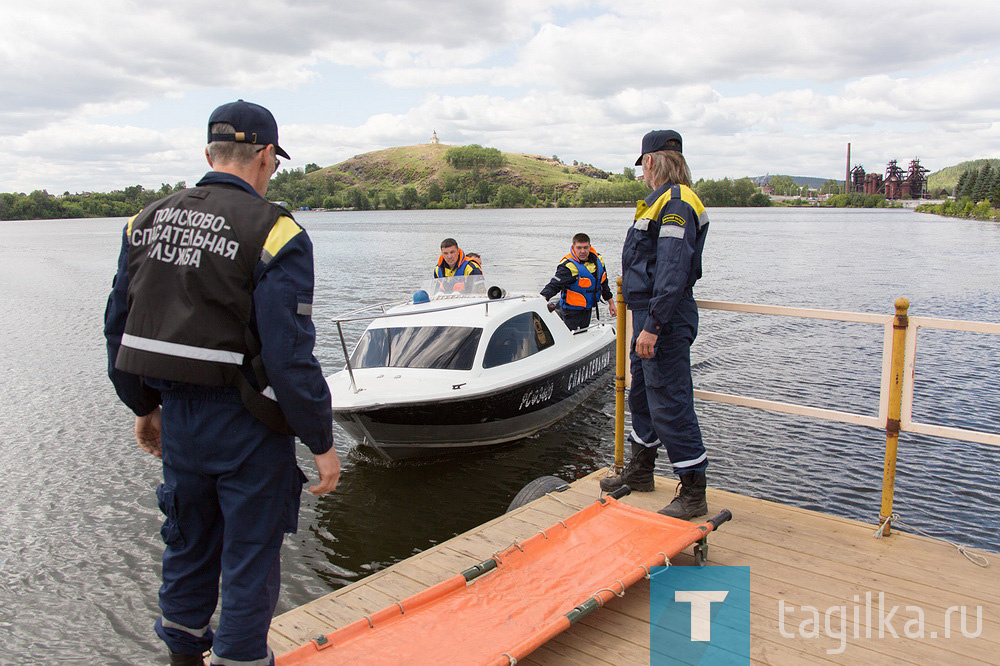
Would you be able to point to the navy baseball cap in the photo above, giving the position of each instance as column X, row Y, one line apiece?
column 252, row 122
column 657, row 140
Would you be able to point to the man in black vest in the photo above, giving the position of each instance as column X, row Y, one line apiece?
column 210, row 343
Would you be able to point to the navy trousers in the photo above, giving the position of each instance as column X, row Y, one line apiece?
column 230, row 492
column 661, row 398
column 576, row 319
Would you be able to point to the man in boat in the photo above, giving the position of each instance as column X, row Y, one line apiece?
column 582, row 279
column 661, row 261
column 474, row 258
column 454, row 262
column 210, row 343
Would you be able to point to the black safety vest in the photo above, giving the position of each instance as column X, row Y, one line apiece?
column 190, row 295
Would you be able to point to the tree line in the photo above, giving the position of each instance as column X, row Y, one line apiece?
column 730, row 193
column 474, row 155
column 977, row 195
column 982, row 184
column 40, row 205
column 472, row 186
column 456, row 191
column 296, row 190
column 857, row 200
column 983, row 210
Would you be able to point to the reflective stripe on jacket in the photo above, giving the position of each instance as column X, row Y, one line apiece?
column 661, row 256
column 279, row 286
column 190, row 262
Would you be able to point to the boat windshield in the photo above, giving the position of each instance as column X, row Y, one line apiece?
column 459, row 285
column 439, row 347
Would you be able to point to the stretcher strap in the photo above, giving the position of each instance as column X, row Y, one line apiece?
column 597, row 595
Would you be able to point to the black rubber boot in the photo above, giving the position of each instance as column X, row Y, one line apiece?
column 637, row 473
column 178, row 659
column 689, row 502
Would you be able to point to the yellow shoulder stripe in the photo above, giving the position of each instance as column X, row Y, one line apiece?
column 284, row 230
column 652, row 212
column 690, row 198
column 130, row 221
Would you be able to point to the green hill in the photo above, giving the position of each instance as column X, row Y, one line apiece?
column 947, row 178
column 442, row 176
column 424, row 165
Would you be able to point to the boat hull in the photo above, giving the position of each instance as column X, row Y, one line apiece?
column 418, row 429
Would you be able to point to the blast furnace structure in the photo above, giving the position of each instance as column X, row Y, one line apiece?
column 895, row 184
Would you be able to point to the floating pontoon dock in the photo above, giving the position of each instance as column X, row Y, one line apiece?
column 796, row 557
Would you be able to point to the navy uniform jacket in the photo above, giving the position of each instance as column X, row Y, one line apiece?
column 661, row 258
column 286, row 340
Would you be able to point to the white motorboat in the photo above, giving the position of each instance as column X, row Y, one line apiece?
column 465, row 368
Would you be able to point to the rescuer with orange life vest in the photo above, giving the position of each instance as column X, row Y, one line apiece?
column 582, row 278
column 453, row 261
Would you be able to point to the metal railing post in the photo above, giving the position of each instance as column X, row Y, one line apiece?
column 343, row 345
column 899, row 326
column 621, row 344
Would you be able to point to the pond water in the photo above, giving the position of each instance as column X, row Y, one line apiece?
column 79, row 527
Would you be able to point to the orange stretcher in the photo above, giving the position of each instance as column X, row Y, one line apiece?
column 502, row 609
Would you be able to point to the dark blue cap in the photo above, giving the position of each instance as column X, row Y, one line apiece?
column 657, row 140
column 421, row 296
column 252, row 122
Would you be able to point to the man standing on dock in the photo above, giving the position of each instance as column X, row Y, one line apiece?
column 210, row 342
column 661, row 261
column 582, row 278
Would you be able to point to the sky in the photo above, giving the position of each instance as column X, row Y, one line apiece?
column 102, row 95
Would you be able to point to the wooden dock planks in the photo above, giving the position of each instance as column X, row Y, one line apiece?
column 798, row 557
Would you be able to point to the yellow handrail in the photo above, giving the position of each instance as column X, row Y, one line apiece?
column 620, row 347
column 896, row 393
column 899, row 326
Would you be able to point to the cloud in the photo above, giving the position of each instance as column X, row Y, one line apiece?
column 778, row 86
column 57, row 56
column 640, row 44
column 968, row 92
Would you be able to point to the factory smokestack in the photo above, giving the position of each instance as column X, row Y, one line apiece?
column 847, row 173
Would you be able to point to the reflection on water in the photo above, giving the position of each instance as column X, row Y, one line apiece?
column 79, row 541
